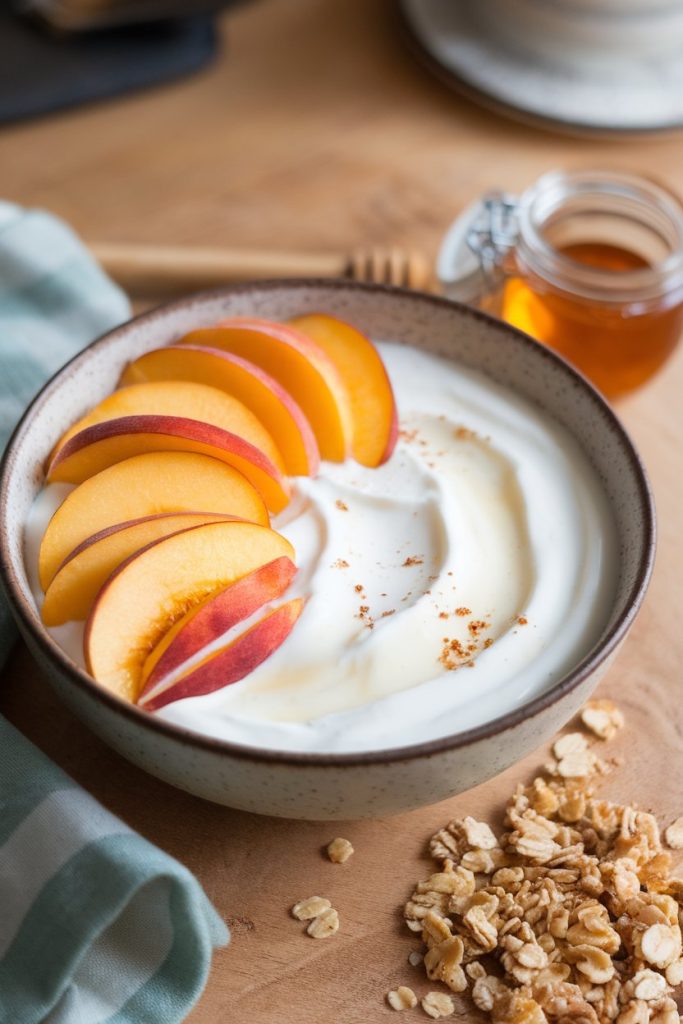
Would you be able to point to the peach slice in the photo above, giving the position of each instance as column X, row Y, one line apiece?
column 257, row 390
column 234, row 661
column 300, row 366
column 73, row 590
column 104, row 444
column 156, row 586
column 373, row 409
column 189, row 399
column 142, row 486
column 215, row 616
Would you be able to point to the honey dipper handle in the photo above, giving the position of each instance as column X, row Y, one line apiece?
column 155, row 269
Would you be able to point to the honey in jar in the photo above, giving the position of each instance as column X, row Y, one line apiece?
column 591, row 264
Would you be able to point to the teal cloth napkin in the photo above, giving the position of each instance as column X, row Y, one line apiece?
column 54, row 299
column 96, row 924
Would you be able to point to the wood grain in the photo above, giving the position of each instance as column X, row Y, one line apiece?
column 315, row 130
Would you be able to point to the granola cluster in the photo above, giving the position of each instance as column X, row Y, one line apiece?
column 570, row 916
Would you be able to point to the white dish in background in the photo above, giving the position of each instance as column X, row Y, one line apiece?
column 590, row 67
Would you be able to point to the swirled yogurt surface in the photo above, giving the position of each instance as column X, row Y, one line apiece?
column 443, row 589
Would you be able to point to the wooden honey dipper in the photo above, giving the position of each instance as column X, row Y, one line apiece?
column 162, row 269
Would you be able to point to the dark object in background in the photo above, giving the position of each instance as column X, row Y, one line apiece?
column 42, row 71
column 83, row 15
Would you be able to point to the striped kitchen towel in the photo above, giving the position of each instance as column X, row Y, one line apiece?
column 54, row 299
column 96, row 924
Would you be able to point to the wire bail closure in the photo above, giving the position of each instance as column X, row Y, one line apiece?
column 477, row 251
column 493, row 235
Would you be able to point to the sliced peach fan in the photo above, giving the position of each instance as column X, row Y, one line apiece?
column 141, row 486
column 102, row 445
column 156, row 586
column 234, row 661
column 264, row 396
column 164, row 545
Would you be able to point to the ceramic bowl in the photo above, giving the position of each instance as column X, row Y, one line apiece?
column 332, row 786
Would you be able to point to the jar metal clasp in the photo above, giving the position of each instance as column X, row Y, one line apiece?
column 476, row 257
column 493, row 234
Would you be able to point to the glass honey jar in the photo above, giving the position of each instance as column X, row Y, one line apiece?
column 589, row 263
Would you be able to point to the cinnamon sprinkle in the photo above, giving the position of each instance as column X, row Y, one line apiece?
column 341, row 505
column 365, row 617
column 475, row 627
column 408, row 435
column 413, row 560
column 453, row 654
column 341, row 563
column 463, row 611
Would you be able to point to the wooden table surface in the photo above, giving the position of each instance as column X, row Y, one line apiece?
column 315, row 129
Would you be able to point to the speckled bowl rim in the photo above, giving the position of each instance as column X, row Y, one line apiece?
column 498, row 726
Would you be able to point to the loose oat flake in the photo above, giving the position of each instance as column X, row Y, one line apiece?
column 339, row 850
column 324, row 925
column 311, row 907
column 402, row 998
column 438, row 1004
column 603, row 718
column 674, row 834
column 569, row 916
column 570, row 743
column 661, row 944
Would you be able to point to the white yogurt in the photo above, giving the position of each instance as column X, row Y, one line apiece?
column 447, row 587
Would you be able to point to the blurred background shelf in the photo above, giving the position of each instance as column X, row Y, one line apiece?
column 89, row 15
